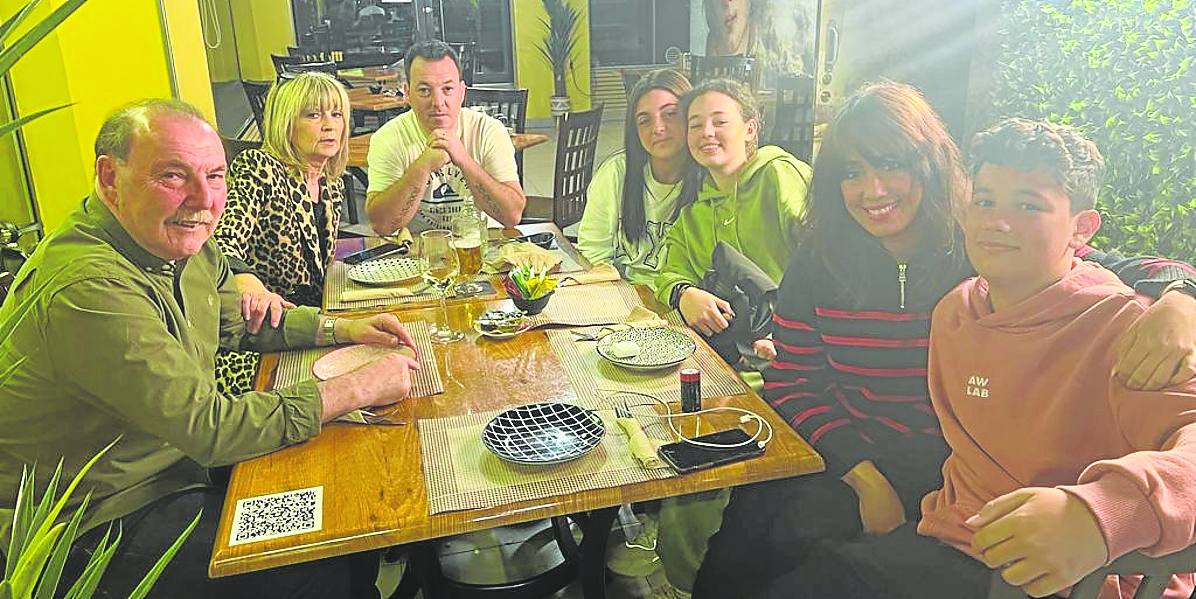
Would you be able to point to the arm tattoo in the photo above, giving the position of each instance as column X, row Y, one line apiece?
column 487, row 203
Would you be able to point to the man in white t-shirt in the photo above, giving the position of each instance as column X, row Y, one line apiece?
column 425, row 164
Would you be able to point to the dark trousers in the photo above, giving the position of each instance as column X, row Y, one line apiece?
column 899, row 565
column 770, row 528
column 148, row 532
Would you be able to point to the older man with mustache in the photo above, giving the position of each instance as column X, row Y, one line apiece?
column 110, row 332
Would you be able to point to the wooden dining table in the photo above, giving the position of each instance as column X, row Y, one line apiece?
column 374, row 486
column 359, row 146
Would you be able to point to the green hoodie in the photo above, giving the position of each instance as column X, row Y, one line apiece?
column 758, row 219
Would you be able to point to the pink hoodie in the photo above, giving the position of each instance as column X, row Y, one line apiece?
column 1026, row 398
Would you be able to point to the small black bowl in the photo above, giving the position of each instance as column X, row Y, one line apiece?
column 535, row 306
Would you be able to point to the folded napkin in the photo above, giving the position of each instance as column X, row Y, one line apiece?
column 357, row 295
column 601, row 273
column 521, row 253
column 639, row 318
column 642, row 448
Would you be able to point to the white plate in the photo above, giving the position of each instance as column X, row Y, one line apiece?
column 660, row 347
column 387, row 270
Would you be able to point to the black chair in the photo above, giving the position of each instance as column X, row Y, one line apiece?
column 467, row 58
column 1156, row 573
column 507, row 105
column 630, row 78
column 793, row 124
column 737, row 68
column 576, row 146
column 255, row 92
column 232, row 147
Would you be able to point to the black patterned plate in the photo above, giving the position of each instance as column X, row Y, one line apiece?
column 659, row 347
column 386, row 270
column 543, row 433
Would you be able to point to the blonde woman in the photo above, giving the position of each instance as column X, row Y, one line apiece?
column 280, row 224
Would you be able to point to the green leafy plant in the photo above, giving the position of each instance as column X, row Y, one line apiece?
column 530, row 283
column 560, row 40
column 10, row 54
column 40, row 544
column 1123, row 71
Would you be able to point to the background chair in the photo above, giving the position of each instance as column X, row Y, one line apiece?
column 738, row 68
column 630, row 78
column 576, row 145
column 467, row 56
column 793, row 125
column 255, row 92
column 1156, row 571
column 232, row 147
column 507, row 105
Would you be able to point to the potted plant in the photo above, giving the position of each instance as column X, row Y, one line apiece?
column 560, row 40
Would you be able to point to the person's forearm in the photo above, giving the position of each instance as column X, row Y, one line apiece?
column 392, row 208
column 494, row 197
column 339, row 397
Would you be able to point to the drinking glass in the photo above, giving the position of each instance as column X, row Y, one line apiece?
column 438, row 263
column 469, row 231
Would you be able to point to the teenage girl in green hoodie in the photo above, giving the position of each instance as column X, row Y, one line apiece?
column 750, row 199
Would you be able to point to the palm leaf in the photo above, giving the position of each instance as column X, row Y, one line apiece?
column 11, row 54
column 86, row 585
column 48, row 496
column 32, row 560
column 22, row 515
column 12, row 22
column 52, row 515
column 9, row 127
column 143, row 588
column 53, row 571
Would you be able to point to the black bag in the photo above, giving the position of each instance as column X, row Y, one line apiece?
column 752, row 295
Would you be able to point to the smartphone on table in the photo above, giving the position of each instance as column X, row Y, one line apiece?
column 385, row 249
column 687, row 457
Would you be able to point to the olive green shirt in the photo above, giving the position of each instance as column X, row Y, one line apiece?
column 105, row 340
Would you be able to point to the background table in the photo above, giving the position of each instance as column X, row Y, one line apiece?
column 359, row 146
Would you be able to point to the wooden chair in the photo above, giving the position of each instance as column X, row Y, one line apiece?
column 576, row 145
column 255, row 92
column 738, row 68
column 508, row 105
column 793, row 124
column 1156, row 572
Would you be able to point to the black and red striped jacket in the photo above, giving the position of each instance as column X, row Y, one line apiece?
column 850, row 376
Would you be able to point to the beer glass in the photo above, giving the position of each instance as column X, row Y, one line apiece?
column 469, row 232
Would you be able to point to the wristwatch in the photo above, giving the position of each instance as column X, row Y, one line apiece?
column 329, row 329
column 1185, row 286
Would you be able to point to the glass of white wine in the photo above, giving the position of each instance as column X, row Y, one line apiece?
column 439, row 266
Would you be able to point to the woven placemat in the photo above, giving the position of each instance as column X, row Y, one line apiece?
column 461, row 474
column 337, row 281
column 592, row 377
column 295, row 366
column 586, row 305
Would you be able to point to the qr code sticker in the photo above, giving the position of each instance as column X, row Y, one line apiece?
column 278, row 515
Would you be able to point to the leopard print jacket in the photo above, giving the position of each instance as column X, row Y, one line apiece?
column 270, row 224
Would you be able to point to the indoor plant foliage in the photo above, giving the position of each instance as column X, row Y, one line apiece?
column 1123, row 71
column 560, row 40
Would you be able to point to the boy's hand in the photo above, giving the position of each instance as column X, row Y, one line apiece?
column 1159, row 349
column 765, row 349
column 705, row 312
column 880, row 507
column 1043, row 540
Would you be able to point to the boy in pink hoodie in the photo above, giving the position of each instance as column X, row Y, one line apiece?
column 1056, row 468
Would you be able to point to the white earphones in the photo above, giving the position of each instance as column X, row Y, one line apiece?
column 746, row 416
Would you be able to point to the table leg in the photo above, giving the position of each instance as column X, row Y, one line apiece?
column 596, row 531
column 422, row 557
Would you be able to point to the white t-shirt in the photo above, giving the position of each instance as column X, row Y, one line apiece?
column 600, row 235
column 400, row 142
